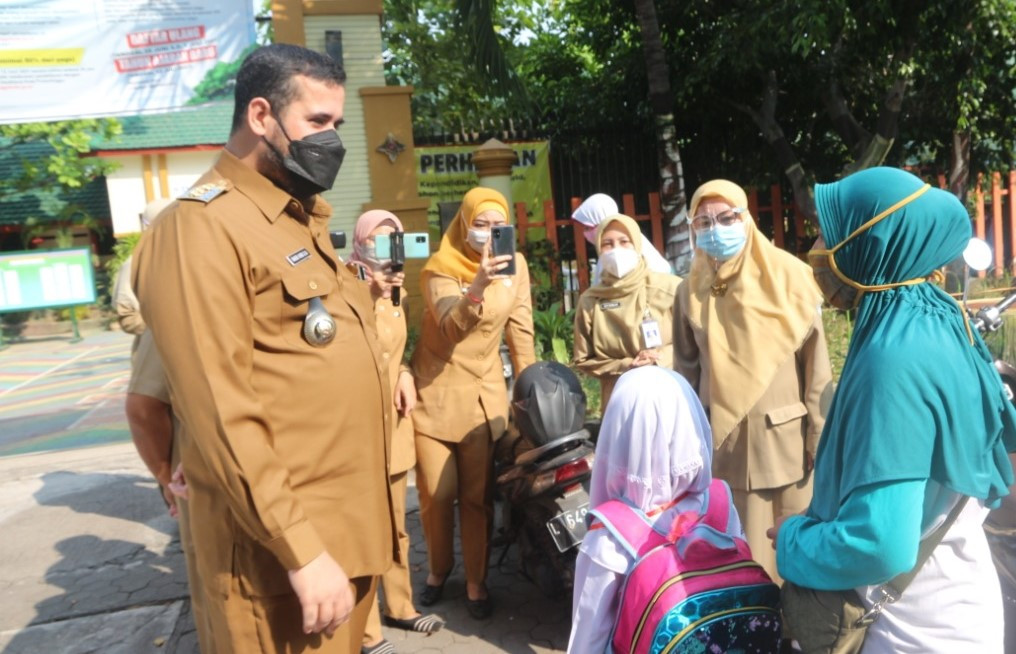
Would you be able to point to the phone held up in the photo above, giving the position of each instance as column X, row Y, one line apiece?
column 399, row 246
column 502, row 241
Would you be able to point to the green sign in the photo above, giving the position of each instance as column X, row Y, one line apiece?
column 36, row 279
column 446, row 172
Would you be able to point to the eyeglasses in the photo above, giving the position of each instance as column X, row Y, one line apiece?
column 704, row 222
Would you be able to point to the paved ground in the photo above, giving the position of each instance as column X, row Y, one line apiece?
column 91, row 562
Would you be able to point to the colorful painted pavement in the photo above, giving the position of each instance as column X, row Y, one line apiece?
column 55, row 394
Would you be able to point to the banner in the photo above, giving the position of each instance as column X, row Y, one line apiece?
column 446, row 172
column 67, row 59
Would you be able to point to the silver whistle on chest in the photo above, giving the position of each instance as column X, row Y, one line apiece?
column 319, row 326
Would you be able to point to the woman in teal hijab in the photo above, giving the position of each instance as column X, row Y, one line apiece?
column 919, row 423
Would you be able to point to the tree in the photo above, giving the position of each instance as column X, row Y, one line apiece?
column 672, row 194
column 51, row 155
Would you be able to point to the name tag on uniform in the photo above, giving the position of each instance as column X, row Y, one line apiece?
column 606, row 306
column 651, row 334
column 298, row 256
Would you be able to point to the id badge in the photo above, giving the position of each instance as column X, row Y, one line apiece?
column 651, row 334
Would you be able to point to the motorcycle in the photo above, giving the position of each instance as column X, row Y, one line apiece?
column 1000, row 526
column 542, row 476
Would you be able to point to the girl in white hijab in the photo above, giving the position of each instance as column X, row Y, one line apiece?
column 599, row 206
column 654, row 452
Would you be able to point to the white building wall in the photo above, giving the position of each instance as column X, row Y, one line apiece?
column 126, row 186
column 361, row 54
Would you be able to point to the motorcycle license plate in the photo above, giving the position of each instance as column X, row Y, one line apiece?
column 568, row 528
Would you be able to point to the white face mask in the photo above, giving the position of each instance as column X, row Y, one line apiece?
column 477, row 238
column 619, row 261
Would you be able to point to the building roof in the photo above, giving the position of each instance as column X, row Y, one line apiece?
column 206, row 124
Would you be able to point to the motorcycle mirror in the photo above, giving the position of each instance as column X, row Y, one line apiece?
column 977, row 254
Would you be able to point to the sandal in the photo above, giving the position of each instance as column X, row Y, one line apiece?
column 384, row 647
column 432, row 594
column 480, row 609
column 424, row 624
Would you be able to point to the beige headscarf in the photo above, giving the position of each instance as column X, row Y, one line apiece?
column 611, row 286
column 759, row 315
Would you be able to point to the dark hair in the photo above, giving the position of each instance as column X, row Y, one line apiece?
column 268, row 73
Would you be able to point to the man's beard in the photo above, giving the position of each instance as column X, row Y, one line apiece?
column 270, row 165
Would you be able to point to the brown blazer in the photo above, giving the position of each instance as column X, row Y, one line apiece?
column 767, row 449
column 285, row 455
column 459, row 376
column 391, row 332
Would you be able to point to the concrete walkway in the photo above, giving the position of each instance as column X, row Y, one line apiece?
column 91, row 562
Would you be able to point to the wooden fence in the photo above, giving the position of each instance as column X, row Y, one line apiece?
column 992, row 200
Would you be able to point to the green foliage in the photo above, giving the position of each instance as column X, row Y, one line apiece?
column 554, row 333
column 220, row 81
column 121, row 250
column 540, row 255
column 56, row 161
column 838, row 327
column 69, row 219
column 833, row 64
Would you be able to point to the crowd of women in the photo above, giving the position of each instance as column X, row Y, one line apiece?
column 724, row 374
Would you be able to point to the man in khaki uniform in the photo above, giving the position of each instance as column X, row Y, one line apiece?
column 286, row 457
column 153, row 427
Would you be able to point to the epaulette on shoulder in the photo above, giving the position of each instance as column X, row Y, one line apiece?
column 207, row 192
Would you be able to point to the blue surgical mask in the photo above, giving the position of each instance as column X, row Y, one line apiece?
column 722, row 241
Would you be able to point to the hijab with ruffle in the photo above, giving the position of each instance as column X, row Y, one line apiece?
column 756, row 309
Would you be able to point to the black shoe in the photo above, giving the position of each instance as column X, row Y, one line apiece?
column 432, row 594
column 480, row 609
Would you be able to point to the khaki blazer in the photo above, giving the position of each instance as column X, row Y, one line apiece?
column 605, row 342
column 391, row 332
column 285, row 455
column 767, row 449
column 459, row 376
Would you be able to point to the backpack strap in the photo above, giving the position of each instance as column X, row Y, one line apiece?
column 717, row 513
column 629, row 526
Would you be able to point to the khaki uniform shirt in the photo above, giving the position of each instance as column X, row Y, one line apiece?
column 285, row 452
column 767, row 449
column 391, row 332
column 457, row 365
column 147, row 376
column 607, row 339
column 128, row 312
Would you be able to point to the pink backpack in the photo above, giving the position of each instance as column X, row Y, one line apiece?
column 700, row 592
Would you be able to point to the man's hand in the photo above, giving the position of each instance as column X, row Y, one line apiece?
column 178, row 483
column 325, row 597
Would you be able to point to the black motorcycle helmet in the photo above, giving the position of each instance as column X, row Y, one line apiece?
column 548, row 402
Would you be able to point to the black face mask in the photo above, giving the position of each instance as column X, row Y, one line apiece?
column 313, row 162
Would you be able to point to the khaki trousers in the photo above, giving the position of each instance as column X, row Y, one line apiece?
column 457, row 471
column 274, row 625
column 398, row 592
column 759, row 509
column 197, row 591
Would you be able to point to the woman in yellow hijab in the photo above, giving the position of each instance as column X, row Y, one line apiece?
column 748, row 337
column 623, row 321
column 462, row 404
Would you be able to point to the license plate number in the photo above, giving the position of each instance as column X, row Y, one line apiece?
column 568, row 528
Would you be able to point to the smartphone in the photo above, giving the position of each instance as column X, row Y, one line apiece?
column 502, row 241
column 415, row 245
